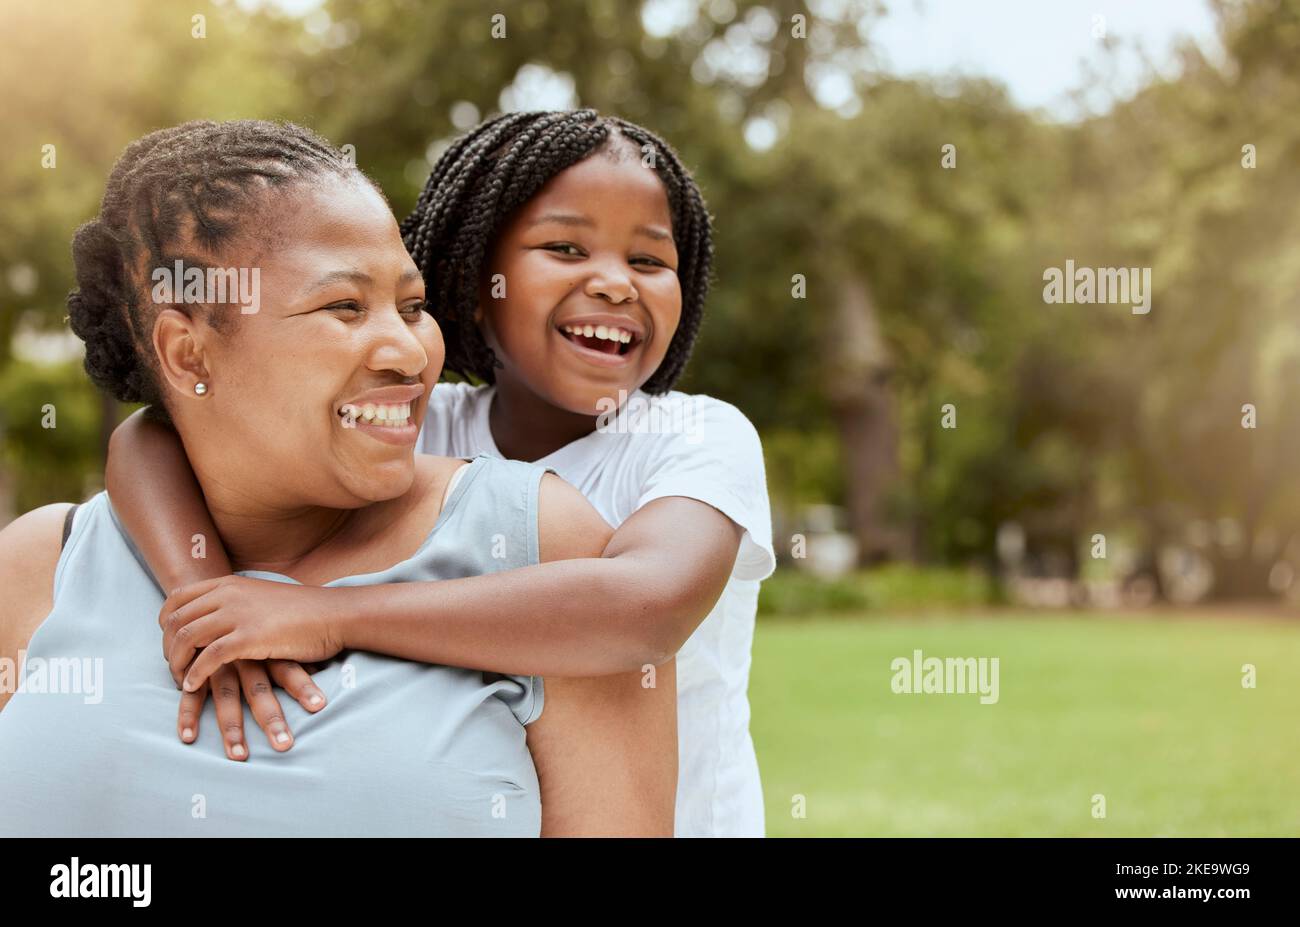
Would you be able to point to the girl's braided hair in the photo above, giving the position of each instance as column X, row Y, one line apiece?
column 493, row 170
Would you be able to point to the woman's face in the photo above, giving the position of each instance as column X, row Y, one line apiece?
column 316, row 398
column 590, row 255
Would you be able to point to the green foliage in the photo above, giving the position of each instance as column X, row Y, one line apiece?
column 1071, row 419
column 791, row 593
column 52, row 464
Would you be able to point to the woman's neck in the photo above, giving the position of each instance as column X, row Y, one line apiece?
column 259, row 535
column 527, row 427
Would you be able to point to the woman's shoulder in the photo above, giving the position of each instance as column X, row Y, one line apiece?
column 566, row 525
column 33, row 541
column 29, row 554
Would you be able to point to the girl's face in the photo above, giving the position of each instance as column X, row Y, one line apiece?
column 588, row 297
column 341, row 326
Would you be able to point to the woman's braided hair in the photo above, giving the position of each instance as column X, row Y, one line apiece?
column 489, row 173
column 199, row 181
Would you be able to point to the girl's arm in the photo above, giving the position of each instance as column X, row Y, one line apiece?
column 657, row 579
column 160, row 504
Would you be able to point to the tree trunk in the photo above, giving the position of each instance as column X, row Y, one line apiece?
column 857, row 385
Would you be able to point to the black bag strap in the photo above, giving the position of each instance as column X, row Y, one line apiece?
column 67, row 524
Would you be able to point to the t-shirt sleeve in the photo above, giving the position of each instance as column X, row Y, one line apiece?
column 717, row 458
column 446, row 402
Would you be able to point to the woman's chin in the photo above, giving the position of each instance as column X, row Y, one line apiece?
column 381, row 482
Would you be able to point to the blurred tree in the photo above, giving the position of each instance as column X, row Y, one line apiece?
column 866, row 277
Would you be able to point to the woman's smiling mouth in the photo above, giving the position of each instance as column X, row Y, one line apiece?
column 384, row 414
column 392, row 415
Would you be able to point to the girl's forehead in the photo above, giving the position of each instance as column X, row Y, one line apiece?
column 598, row 184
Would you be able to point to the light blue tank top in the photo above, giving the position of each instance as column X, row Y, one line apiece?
column 400, row 748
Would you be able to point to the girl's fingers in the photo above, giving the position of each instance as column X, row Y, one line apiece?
column 265, row 706
column 187, row 720
column 181, row 618
column 195, row 636
column 230, row 711
column 223, row 651
column 294, row 678
column 184, row 595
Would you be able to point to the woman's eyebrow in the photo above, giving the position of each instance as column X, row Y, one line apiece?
column 356, row 276
column 334, row 276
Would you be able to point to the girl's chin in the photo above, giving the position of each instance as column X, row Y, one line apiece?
column 594, row 400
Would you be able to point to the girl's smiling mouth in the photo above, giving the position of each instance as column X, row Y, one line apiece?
column 608, row 341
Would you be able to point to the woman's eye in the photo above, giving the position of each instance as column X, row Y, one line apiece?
column 415, row 310
column 346, row 308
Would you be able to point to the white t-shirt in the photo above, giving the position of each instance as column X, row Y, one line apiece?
column 671, row 445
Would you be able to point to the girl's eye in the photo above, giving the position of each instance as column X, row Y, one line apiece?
column 560, row 246
column 651, row 261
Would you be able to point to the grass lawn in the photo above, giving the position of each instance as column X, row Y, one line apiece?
column 1148, row 711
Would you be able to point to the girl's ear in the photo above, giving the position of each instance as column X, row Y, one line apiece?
column 178, row 344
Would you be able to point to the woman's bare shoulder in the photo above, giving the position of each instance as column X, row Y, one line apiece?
column 30, row 546
column 568, row 526
column 29, row 552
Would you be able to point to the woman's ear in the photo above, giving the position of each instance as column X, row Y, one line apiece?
column 178, row 343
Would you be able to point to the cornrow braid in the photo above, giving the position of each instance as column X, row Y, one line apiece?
column 197, row 179
column 497, row 167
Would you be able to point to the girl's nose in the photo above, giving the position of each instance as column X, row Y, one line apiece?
column 613, row 285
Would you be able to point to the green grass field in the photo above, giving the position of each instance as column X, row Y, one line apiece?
column 1148, row 711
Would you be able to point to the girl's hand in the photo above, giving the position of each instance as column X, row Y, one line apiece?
column 254, row 679
column 237, row 618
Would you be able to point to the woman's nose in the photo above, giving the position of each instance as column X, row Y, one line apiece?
column 395, row 345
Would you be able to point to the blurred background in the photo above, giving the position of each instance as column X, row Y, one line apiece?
column 1105, row 501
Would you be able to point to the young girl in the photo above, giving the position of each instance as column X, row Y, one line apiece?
column 566, row 257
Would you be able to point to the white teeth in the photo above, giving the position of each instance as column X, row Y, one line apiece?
column 395, row 414
column 604, row 332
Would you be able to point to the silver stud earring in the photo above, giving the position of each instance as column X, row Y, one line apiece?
column 200, row 388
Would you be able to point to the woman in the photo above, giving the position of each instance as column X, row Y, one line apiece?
column 301, row 489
